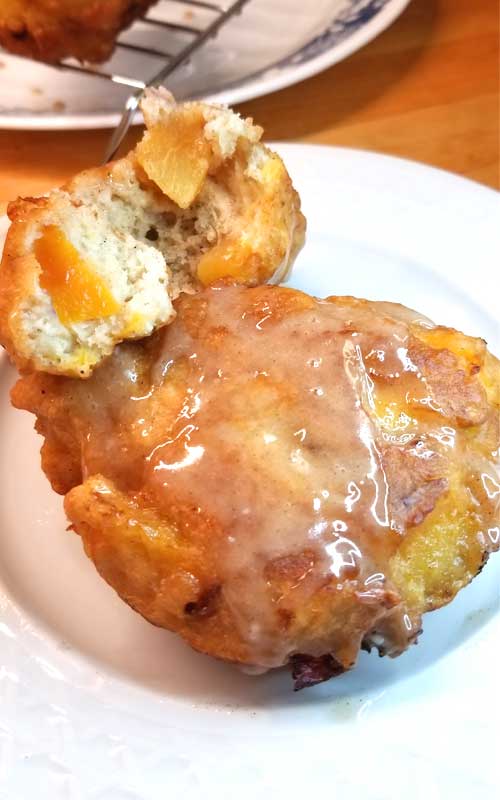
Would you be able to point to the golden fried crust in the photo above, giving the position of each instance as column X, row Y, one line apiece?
column 50, row 30
column 169, row 579
column 278, row 478
column 175, row 582
column 19, row 271
column 61, row 457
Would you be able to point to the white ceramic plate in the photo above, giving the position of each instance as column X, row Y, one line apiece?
column 273, row 44
column 96, row 704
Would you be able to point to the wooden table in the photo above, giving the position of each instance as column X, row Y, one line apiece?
column 426, row 89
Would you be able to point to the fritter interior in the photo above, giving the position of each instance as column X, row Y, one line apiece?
column 101, row 259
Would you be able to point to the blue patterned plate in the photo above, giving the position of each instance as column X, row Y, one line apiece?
column 273, row 44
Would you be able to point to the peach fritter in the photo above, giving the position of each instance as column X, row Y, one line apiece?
column 280, row 479
column 50, row 30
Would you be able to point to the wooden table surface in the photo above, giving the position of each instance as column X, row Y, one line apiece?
column 426, row 89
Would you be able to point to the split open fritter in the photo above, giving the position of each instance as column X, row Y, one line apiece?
column 280, row 479
column 101, row 259
column 50, row 30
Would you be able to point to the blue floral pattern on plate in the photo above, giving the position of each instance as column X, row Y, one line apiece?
column 347, row 22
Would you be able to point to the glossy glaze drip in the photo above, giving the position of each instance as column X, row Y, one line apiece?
column 306, row 433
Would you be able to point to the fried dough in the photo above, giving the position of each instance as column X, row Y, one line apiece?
column 50, row 30
column 281, row 480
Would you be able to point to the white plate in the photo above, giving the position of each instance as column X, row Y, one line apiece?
column 273, row 44
column 96, row 704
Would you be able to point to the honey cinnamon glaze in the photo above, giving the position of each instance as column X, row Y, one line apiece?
column 299, row 446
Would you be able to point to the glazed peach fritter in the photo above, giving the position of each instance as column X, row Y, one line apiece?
column 50, row 30
column 280, row 479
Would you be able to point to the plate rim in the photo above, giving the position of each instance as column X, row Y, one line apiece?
column 249, row 88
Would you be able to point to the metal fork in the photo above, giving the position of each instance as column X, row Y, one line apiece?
column 222, row 15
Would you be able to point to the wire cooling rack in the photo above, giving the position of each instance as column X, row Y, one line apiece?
column 145, row 34
column 219, row 15
column 155, row 45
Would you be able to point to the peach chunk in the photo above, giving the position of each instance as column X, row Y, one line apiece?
column 230, row 258
column 77, row 292
column 176, row 156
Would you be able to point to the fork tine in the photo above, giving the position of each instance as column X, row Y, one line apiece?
column 123, row 126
